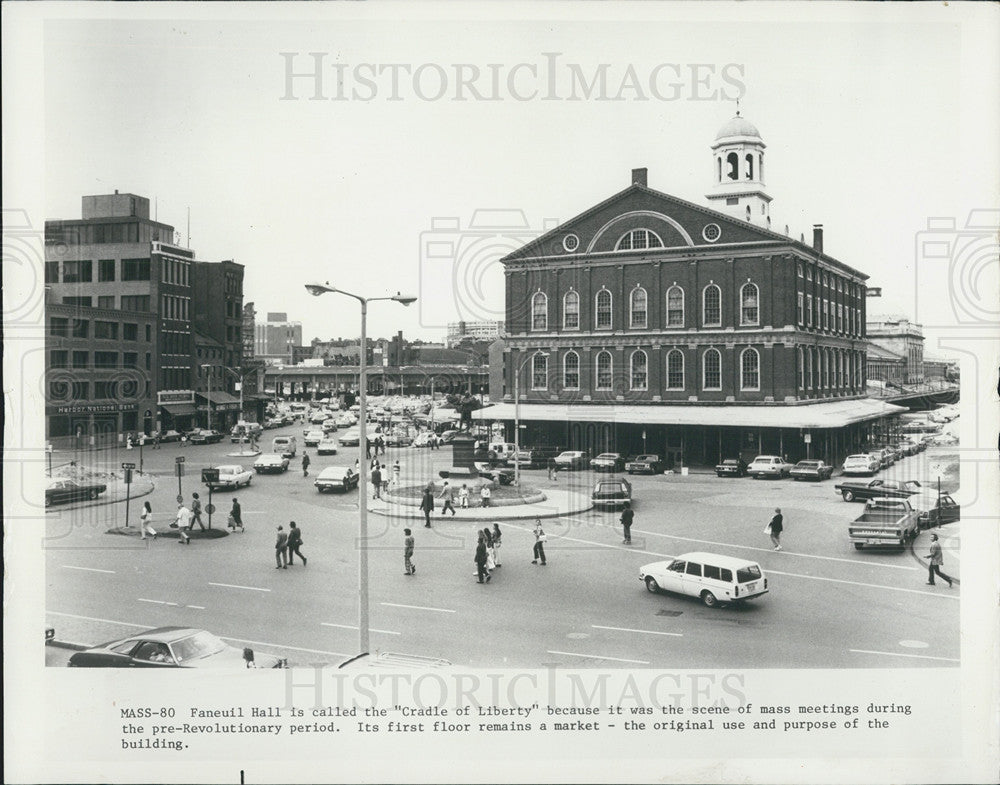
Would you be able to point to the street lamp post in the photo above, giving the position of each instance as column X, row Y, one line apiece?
column 316, row 289
column 209, row 407
column 517, row 415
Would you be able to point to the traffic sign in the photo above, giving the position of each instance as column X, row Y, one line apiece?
column 128, row 476
column 179, row 459
column 210, row 508
column 209, row 475
column 128, row 465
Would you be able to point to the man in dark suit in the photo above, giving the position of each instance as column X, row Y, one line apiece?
column 294, row 541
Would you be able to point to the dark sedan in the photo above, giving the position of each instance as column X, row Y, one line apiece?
column 68, row 490
column 644, row 464
column 732, row 467
column 498, row 474
column 854, row 490
column 172, row 647
column 609, row 494
column 811, row 470
column 205, row 437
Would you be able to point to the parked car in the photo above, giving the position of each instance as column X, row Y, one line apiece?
column 499, row 474
column 69, row 490
column 731, row 467
column 318, row 418
column 271, row 463
column 346, row 420
column 611, row 494
column 533, row 458
column 572, row 459
column 934, row 509
column 862, row 463
column 885, row 522
column 231, row 476
column 397, row 439
column 448, row 436
column 769, row 466
column 608, row 462
column 811, row 470
column 329, row 426
column 712, row 578
column 336, row 478
column 425, row 439
column 167, row 436
column 203, row 436
column 327, row 446
column 885, row 457
column 172, row 647
column 312, row 438
column 244, row 430
column 645, row 464
column 855, row 490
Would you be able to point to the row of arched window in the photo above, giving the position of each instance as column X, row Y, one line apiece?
column 638, row 370
column 825, row 368
column 638, row 310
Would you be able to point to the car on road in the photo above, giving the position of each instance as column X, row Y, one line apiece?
column 397, row 439
column 769, row 466
column 166, row 436
column 62, row 491
column 572, row 459
column 271, row 463
column 204, row 436
column 811, row 470
column 885, row 457
column 345, row 420
column 855, row 490
column 447, row 437
column 608, row 462
column 312, row 438
column 285, row 445
column 329, row 426
column 731, row 467
column 611, row 494
column 645, row 464
column 885, row 521
column 327, row 446
column 862, row 464
column 425, row 439
column 172, row 647
column 231, row 476
column 243, row 431
column 498, row 474
column 934, row 509
column 336, row 478
column 711, row 577
column 912, row 447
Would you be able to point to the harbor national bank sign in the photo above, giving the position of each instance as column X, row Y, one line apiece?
column 91, row 408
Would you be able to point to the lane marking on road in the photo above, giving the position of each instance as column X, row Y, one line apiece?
column 597, row 657
column 644, row 632
column 93, row 618
column 354, row 627
column 196, row 607
column 417, row 607
column 860, row 583
column 159, row 602
column 237, row 586
column 281, row 646
column 900, row 654
column 88, row 569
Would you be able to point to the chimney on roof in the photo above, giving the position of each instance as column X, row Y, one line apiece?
column 818, row 237
column 639, row 176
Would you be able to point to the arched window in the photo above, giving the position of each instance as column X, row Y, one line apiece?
column 809, row 368
column 604, row 371
column 718, row 169
column 711, row 370
column 748, row 212
column 540, row 372
column 749, row 160
column 539, row 311
column 675, row 370
column 749, row 370
column 749, row 304
column 602, row 310
column 760, row 167
column 734, row 166
column 637, row 239
column 675, row 306
column 637, row 308
column 640, row 370
column 800, row 356
column 571, row 311
column 571, row 371
column 711, row 306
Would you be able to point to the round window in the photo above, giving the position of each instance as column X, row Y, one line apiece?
column 571, row 242
column 711, row 232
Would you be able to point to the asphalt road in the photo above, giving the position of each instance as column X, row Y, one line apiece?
column 829, row 605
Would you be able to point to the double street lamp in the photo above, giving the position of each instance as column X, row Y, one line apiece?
column 316, row 289
column 517, row 414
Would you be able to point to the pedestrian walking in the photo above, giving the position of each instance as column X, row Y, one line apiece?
column 368, row 449
column 305, row 464
column 397, row 472
column 480, row 560
column 463, row 496
column 427, row 506
column 379, row 445
column 156, row 440
column 553, row 467
column 376, row 478
column 294, row 543
column 627, row 515
column 491, row 561
column 448, row 494
column 484, row 495
column 497, row 536
column 146, row 521
column 775, row 527
column 236, row 516
column 183, row 523
column 936, row 560
column 281, row 549
column 196, row 512
column 540, row 539
column 408, row 567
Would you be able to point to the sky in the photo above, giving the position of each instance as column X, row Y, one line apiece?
column 872, row 125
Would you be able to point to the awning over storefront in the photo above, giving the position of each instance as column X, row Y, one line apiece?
column 178, row 409
column 219, row 397
column 828, row 414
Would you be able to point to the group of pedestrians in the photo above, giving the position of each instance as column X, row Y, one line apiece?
column 487, row 556
column 286, row 546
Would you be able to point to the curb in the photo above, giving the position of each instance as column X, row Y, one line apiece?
column 105, row 502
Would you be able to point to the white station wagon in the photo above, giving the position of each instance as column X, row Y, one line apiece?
column 712, row 578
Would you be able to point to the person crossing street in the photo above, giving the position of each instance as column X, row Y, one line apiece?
column 281, row 549
column 305, row 463
column 936, row 560
column 448, row 494
column 294, row 543
column 408, row 567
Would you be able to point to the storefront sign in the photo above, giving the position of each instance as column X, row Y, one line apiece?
column 91, row 408
column 174, row 396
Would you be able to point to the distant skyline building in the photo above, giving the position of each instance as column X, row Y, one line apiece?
column 901, row 337
column 479, row 331
column 276, row 338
